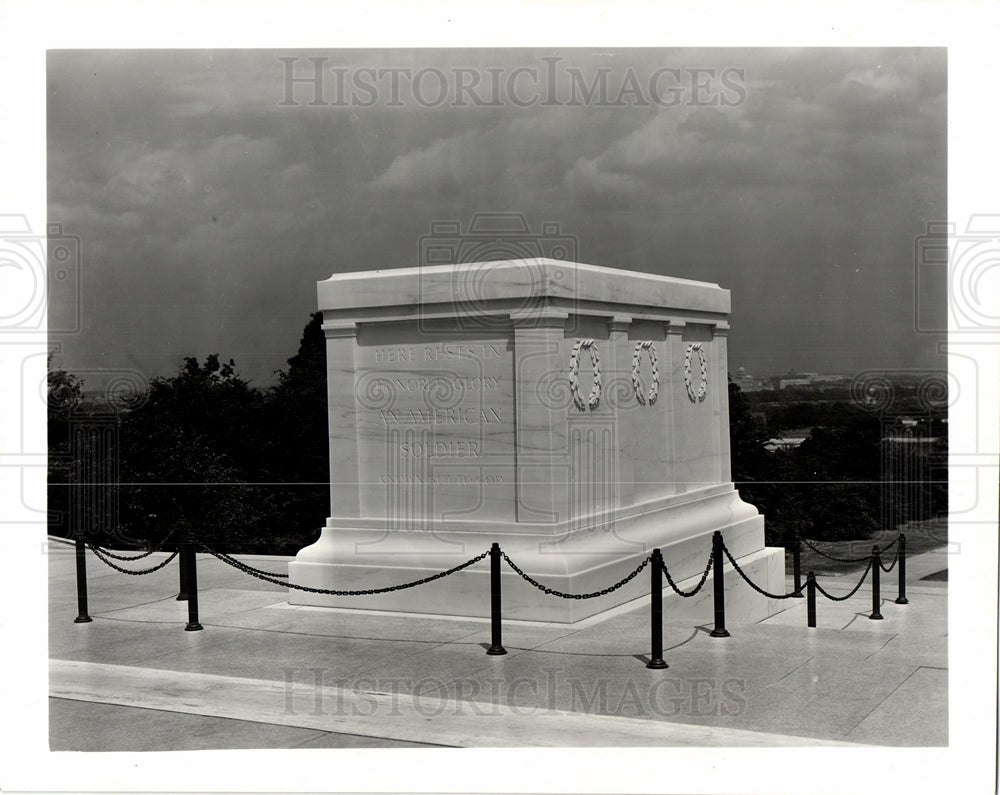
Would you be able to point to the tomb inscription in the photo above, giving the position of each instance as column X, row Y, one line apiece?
column 435, row 423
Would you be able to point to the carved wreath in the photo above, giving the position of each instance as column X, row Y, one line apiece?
column 654, row 386
column 696, row 397
column 574, row 375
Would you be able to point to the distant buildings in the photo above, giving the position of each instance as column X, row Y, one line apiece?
column 787, row 440
column 913, row 430
column 748, row 383
column 810, row 380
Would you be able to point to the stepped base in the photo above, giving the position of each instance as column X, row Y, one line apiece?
column 582, row 561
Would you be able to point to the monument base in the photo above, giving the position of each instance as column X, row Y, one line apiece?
column 357, row 554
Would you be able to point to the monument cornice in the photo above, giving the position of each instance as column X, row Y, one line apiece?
column 506, row 309
column 619, row 323
column 337, row 329
column 541, row 317
column 472, row 287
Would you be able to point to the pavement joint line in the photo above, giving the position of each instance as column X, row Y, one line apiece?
column 273, row 702
column 437, row 645
column 108, row 613
column 585, row 623
column 459, row 640
column 344, row 681
column 889, row 640
column 487, row 664
column 797, row 667
column 855, row 618
column 338, row 637
column 769, row 685
column 880, row 703
column 320, row 733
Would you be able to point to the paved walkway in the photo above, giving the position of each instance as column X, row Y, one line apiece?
column 264, row 674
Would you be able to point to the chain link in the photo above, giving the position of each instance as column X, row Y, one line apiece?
column 892, row 565
column 245, row 566
column 831, row 557
column 561, row 594
column 853, row 590
column 332, row 592
column 704, row 576
column 113, row 556
column 107, row 562
column 750, row 582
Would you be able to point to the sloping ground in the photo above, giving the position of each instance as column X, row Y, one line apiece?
column 921, row 537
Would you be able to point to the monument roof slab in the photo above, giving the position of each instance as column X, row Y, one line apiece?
column 473, row 287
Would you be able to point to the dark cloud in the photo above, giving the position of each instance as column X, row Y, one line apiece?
column 208, row 210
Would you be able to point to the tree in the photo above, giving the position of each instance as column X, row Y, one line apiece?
column 246, row 470
column 297, row 412
column 189, row 451
column 827, row 488
column 764, row 479
column 748, row 436
column 296, row 453
column 64, row 393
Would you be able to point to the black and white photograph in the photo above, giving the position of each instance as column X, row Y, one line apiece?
column 623, row 414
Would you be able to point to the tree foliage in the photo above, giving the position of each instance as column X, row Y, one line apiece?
column 64, row 396
column 206, row 452
column 247, row 470
column 834, row 485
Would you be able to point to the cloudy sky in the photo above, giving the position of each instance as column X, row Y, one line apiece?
column 210, row 194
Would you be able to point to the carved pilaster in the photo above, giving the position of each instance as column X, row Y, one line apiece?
column 541, row 406
column 342, row 408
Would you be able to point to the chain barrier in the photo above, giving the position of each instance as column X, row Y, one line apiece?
column 890, row 545
column 332, row 592
column 113, row 556
column 245, row 566
column 892, row 565
column 704, row 576
column 831, row 557
column 750, row 582
column 562, row 595
column 854, row 590
column 107, row 562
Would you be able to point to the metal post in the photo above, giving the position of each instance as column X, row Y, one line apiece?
column 656, row 611
column 876, row 596
column 797, row 564
column 182, row 568
column 82, row 616
column 719, row 585
column 192, row 588
column 901, row 565
column 496, row 639
column 811, row 599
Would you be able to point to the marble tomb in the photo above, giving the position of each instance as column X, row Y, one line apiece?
column 578, row 415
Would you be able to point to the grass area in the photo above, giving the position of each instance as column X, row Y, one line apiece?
column 920, row 537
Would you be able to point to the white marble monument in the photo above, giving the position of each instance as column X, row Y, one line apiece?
column 575, row 414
